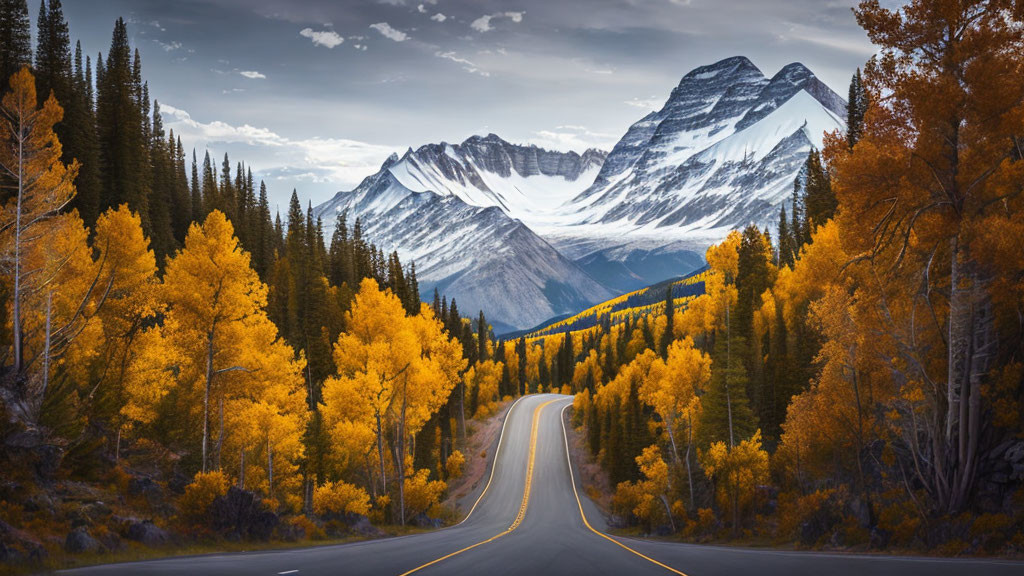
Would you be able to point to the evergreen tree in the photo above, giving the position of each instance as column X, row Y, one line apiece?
column 667, row 336
column 196, row 191
column 820, row 200
column 482, row 330
column 785, row 242
column 181, row 215
column 120, row 120
column 80, row 143
column 163, row 190
column 15, row 38
column 856, row 106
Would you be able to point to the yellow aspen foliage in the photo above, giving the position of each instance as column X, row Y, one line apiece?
column 422, row 494
column 194, row 504
column 340, row 498
column 646, row 499
column 589, row 369
column 394, row 372
column 233, row 386
column 454, row 465
column 672, row 388
column 736, row 474
column 30, row 159
column 484, row 378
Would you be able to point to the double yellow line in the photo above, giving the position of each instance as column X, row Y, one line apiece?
column 526, row 493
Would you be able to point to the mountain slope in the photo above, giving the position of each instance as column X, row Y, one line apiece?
column 422, row 205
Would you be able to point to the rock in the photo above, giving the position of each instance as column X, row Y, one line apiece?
column 19, row 546
column 424, row 521
column 148, row 533
column 79, row 540
column 97, row 510
column 361, row 525
column 241, row 513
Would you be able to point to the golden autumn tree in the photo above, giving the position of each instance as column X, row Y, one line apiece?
column 672, row 388
column 217, row 350
column 394, row 372
column 128, row 266
column 937, row 173
column 736, row 471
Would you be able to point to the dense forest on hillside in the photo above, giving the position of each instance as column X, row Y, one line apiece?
column 857, row 379
column 172, row 348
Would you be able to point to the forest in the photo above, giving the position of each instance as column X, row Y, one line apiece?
column 169, row 345
column 851, row 378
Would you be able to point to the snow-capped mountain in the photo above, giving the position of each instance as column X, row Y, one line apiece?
column 721, row 153
column 447, row 207
column 527, row 234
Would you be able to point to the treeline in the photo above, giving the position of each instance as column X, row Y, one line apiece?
column 857, row 379
column 162, row 319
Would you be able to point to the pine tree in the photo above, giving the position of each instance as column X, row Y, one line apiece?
column 15, row 38
column 120, row 120
column 163, row 190
column 196, row 190
column 181, row 215
column 856, row 106
column 667, row 336
column 785, row 242
column 80, row 140
column 820, row 200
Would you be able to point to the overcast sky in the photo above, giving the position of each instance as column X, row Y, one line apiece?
column 315, row 94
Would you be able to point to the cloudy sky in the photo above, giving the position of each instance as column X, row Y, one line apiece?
column 314, row 94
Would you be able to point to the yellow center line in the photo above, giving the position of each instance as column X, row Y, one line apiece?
column 522, row 507
column 579, row 503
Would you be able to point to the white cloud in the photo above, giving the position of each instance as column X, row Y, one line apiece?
column 438, row 17
column 576, row 138
column 483, row 23
column 388, row 32
column 326, row 38
column 466, row 64
column 322, row 160
column 253, row 75
column 652, row 103
column 169, row 46
column 421, row 9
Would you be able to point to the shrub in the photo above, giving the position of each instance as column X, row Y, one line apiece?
column 991, row 531
column 453, row 467
column 308, row 528
column 194, row 504
column 421, row 493
column 340, row 498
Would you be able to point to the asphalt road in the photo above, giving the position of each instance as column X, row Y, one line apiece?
column 528, row 521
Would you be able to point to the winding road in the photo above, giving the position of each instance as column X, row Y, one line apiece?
column 531, row 518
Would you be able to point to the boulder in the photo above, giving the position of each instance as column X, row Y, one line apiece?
column 79, row 540
column 240, row 513
column 19, row 546
column 148, row 533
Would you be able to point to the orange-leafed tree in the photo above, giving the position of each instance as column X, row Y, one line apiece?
column 939, row 165
column 394, row 372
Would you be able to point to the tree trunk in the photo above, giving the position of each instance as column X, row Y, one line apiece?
column 689, row 472
column 241, row 469
column 220, row 434
column 270, row 468
column 16, row 301
column 206, row 394
column 380, row 456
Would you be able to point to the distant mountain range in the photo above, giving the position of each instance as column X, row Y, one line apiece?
column 527, row 234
